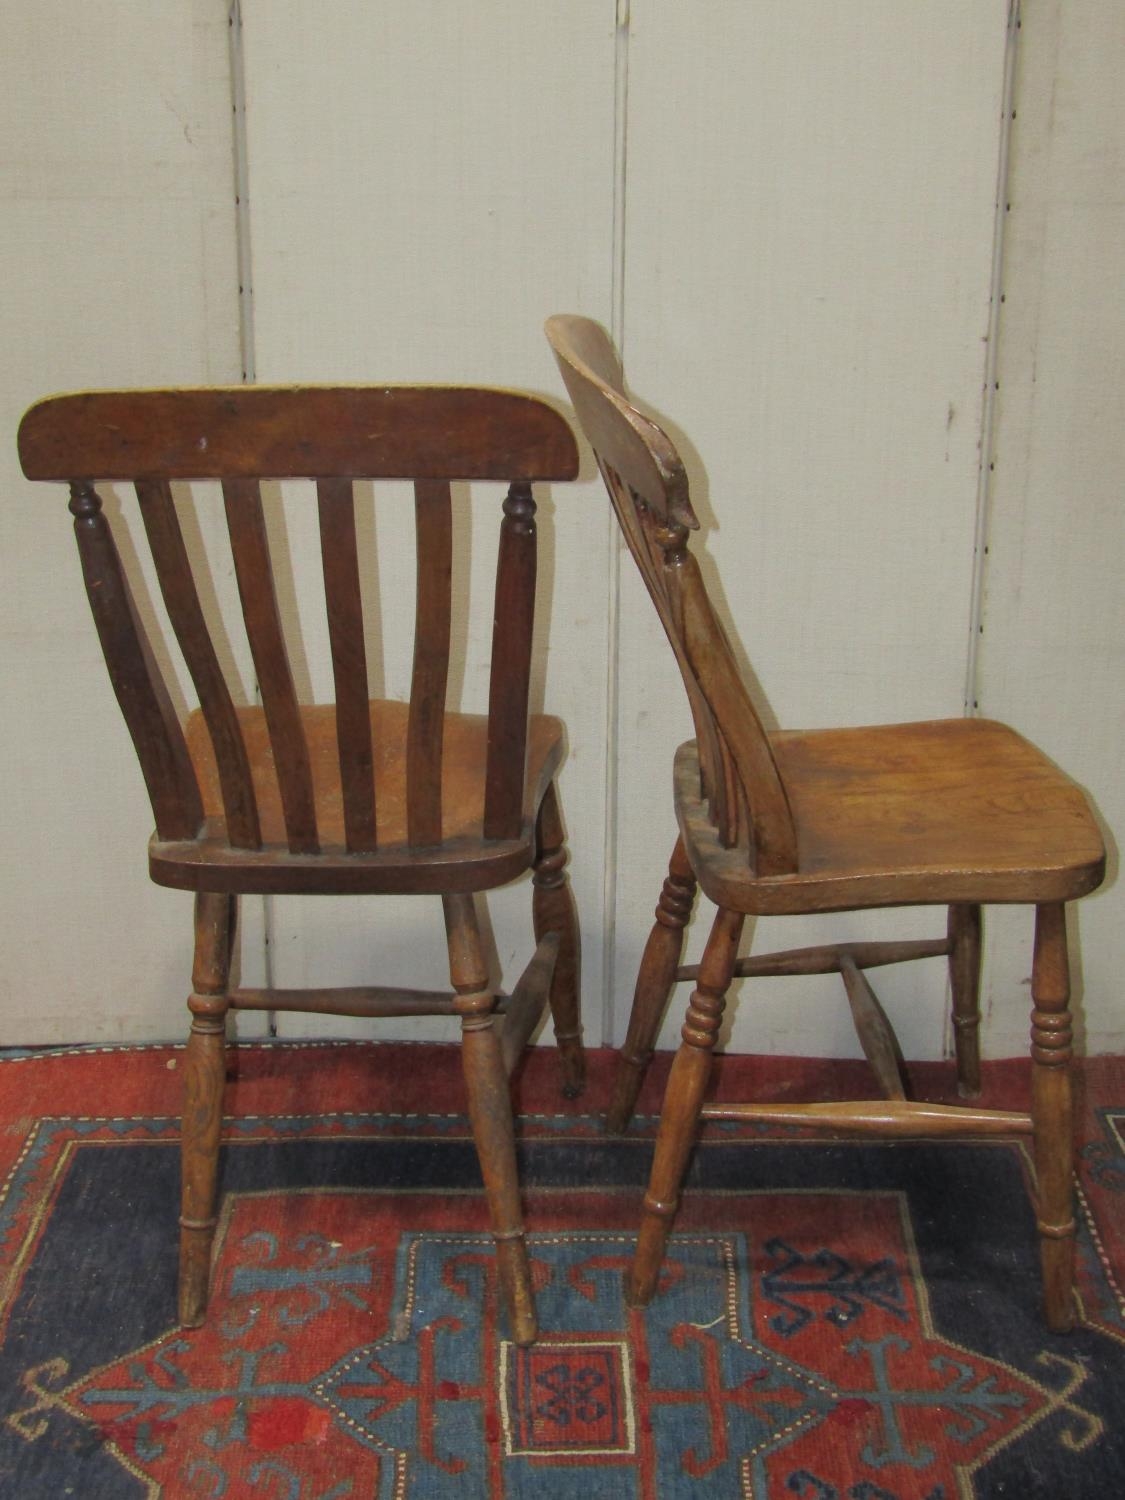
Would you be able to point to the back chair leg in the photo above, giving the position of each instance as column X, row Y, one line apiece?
column 964, row 977
column 679, row 1119
column 1052, row 1113
column 490, row 1110
column 553, row 910
column 204, row 1075
column 655, row 979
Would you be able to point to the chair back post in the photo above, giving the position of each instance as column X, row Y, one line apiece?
column 648, row 487
column 510, row 679
column 433, row 435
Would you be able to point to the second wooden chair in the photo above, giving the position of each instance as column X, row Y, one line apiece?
column 955, row 813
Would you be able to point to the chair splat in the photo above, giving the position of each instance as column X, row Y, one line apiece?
column 344, row 603
column 433, row 511
column 181, row 599
column 250, row 547
column 137, row 681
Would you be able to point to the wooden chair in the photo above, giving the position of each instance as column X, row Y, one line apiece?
column 958, row 813
column 359, row 796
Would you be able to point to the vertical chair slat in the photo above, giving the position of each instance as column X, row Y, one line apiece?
column 336, row 506
column 434, row 517
column 137, row 681
column 250, row 548
column 511, row 667
column 181, row 598
column 714, row 763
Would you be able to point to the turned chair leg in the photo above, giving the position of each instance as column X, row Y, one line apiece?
column 964, row 978
column 553, row 910
column 490, row 1111
column 679, row 1118
column 204, row 1076
column 1052, row 1113
column 655, row 979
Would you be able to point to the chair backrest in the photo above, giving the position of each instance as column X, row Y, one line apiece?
column 648, row 486
column 240, row 436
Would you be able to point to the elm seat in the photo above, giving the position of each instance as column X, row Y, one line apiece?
column 462, row 859
column 950, row 810
column 357, row 796
column 953, row 813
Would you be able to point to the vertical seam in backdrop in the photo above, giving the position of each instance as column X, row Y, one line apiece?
column 987, row 458
column 613, row 579
column 241, row 165
column 987, row 462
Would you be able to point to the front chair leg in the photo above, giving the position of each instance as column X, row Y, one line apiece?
column 964, row 979
column 490, row 1111
column 553, row 910
column 204, row 1076
column 655, row 979
column 679, row 1118
column 1052, row 1113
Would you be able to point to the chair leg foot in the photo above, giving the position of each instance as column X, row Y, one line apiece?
column 490, row 1112
column 679, row 1118
column 1057, row 1259
column 204, row 1079
column 627, row 1080
column 515, row 1281
column 655, row 979
column 195, row 1273
column 553, row 910
column 1052, row 1113
column 652, row 1239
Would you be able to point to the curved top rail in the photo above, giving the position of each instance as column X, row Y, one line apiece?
column 279, row 432
column 639, row 450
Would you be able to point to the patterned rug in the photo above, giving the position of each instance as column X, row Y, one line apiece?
column 835, row 1322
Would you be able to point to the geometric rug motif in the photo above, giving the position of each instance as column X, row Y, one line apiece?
column 1101, row 1198
column 831, row 1383
column 826, row 1326
column 846, row 1378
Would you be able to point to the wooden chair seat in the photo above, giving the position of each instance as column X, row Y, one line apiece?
column 954, row 813
column 946, row 811
column 464, row 860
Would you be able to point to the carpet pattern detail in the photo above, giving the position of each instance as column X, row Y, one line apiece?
column 834, row 1322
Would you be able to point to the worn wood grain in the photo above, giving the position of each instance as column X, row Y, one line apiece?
column 249, row 432
column 875, row 1032
column 344, row 602
column 250, row 547
column 181, row 599
column 141, row 690
column 511, row 664
column 490, row 1111
column 432, row 620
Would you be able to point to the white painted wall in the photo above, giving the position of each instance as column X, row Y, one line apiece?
column 117, row 264
column 1052, row 648
column 427, row 185
column 807, row 291
column 802, row 275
